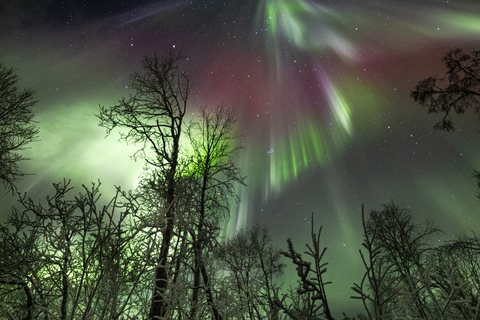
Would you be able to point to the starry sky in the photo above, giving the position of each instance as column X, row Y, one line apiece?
column 323, row 94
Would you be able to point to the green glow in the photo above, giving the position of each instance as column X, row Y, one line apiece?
column 302, row 25
column 272, row 19
column 73, row 145
column 290, row 18
column 354, row 103
column 313, row 142
column 340, row 107
column 238, row 219
column 464, row 23
column 304, row 155
column 294, row 152
column 292, row 26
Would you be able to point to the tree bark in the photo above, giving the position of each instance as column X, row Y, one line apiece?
column 159, row 304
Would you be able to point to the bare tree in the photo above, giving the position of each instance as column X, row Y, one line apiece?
column 17, row 128
column 18, row 260
column 213, row 141
column 152, row 118
column 461, row 93
column 379, row 286
column 404, row 248
column 71, row 259
column 311, row 283
column 456, row 278
column 252, row 265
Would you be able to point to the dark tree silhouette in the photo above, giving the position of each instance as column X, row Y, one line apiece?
column 379, row 285
column 404, row 246
column 152, row 118
column 461, row 93
column 252, row 265
column 66, row 258
column 311, row 283
column 213, row 141
column 456, row 275
column 187, row 184
column 17, row 127
column 409, row 277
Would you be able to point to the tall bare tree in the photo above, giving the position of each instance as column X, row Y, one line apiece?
column 152, row 118
column 213, row 142
column 379, row 286
column 403, row 247
column 17, row 128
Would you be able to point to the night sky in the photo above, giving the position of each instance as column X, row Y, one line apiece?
column 322, row 89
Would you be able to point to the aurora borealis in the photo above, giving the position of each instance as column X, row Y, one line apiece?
column 323, row 94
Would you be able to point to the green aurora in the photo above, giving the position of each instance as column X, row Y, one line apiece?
column 322, row 89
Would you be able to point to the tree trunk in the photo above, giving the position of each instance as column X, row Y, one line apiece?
column 208, row 291
column 196, row 280
column 159, row 305
column 63, row 307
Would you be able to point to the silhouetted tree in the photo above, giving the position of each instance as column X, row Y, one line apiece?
column 187, row 183
column 405, row 246
column 379, row 286
column 17, row 127
column 250, row 265
column 456, row 278
column 311, row 288
column 66, row 258
column 461, row 93
column 153, row 118
column 213, row 172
